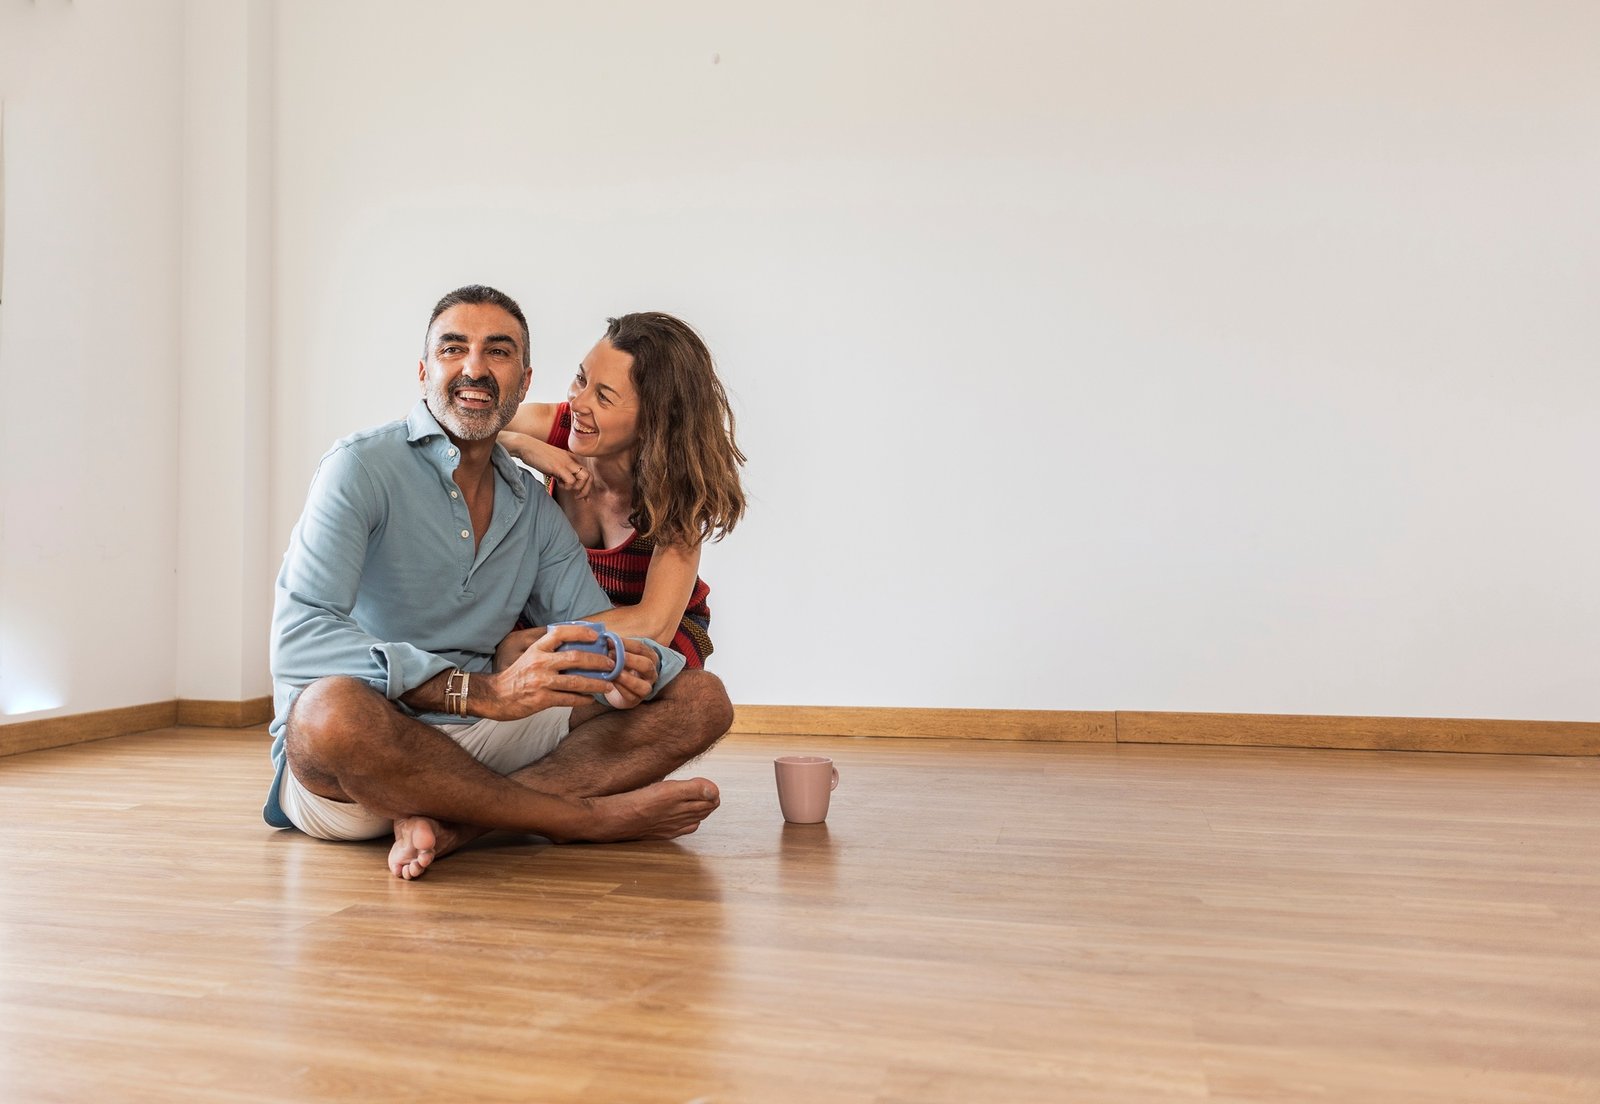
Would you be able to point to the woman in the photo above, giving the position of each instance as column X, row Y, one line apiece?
column 642, row 460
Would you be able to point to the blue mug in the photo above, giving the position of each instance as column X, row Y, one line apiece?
column 608, row 644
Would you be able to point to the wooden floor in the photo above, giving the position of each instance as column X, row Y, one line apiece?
column 978, row 921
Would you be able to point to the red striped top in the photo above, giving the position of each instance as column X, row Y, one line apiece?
column 620, row 571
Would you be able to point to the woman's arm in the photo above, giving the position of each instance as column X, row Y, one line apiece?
column 668, row 583
column 527, row 438
column 534, row 420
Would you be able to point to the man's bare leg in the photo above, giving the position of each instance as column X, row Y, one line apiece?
column 618, row 751
column 607, row 754
column 348, row 743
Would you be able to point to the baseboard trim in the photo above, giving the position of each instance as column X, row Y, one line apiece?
column 930, row 724
column 1494, row 737
column 225, row 714
column 80, row 728
column 1223, row 729
column 1362, row 733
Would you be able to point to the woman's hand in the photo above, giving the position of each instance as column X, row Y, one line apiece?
column 516, row 642
column 637, row 679
column 567, row 470
column 543, row 676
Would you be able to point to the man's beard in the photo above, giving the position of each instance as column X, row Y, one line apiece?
column 471, row 425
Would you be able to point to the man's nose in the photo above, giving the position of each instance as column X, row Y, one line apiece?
column 475, row 365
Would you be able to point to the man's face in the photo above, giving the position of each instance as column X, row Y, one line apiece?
column 472, row 377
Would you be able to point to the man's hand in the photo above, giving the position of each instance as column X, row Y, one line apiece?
column 542, row 677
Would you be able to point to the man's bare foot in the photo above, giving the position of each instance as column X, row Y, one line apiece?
column 418, row 841
column 664, row 810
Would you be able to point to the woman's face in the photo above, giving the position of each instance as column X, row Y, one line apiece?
column 605, row 407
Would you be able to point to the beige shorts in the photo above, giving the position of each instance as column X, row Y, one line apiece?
column 502, row 746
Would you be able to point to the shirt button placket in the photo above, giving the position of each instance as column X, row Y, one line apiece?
column 455, row 499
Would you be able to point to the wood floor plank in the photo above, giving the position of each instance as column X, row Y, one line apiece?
column 977, row 921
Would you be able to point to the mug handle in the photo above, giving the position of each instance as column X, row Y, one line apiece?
column 834, row 785
column 618, row 650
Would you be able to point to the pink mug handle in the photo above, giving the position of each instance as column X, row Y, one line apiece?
column 834, row 785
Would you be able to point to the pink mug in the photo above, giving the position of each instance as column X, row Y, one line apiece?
column 804, row 785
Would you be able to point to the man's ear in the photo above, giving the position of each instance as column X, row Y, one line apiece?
column 422, row 375
column 527, row 378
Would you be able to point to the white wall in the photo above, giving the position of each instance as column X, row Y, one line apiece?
column 1089, row 355
column 1236, row 356
column 225, row 559
column 89, row 354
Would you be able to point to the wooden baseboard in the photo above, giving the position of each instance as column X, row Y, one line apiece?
column 225, row 714
column 1132, row 727
column 933, row 724
column 1362, row 733
column 1043, row 725
column 82, row 727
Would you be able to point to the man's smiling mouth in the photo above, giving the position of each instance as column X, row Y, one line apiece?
column 476, row 395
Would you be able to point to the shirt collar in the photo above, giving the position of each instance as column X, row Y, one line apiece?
column 421, row 425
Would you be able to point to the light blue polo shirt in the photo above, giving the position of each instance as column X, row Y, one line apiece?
column 382, row 582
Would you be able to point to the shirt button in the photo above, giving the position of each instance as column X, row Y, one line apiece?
column 454, row 495
column 449, row 452
column 465, row 534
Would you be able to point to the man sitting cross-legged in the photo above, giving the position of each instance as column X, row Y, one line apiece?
column 420, row 545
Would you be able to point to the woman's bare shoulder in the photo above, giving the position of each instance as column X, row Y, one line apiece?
column 534, row 419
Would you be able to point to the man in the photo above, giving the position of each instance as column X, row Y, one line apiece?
column 420, row 545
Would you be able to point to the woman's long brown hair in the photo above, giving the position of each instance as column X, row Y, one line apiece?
column 686, row 468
